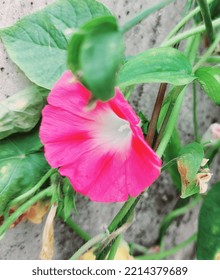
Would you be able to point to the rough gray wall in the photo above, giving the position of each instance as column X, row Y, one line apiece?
column 24, row 242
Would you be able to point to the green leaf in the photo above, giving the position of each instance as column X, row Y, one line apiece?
column 209, row 79
column 38, row 43
column 95, row 54
column 208, row 246
column 189, row 162
column 158, row 65
column 22, row 111
column 22, row 165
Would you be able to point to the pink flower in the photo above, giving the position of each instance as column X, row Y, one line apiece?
column 102, row 151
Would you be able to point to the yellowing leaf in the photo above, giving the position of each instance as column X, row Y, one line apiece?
column 37, row 212
column 190, row 159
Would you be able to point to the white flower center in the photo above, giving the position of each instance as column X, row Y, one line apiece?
column 111, row 132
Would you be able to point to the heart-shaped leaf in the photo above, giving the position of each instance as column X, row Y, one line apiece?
column 208, row 246
column 22, row 165
column 38, row 43
column 157, row 65
column 209, row 79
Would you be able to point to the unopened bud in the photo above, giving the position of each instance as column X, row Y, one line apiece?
column 212, row 135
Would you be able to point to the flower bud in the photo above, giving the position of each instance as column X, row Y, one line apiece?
column 212, row 135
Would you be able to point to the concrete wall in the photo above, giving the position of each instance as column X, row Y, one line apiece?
column 24, row 242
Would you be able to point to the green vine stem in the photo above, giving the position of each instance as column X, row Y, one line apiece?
column 185, row 20
column 29, row 193
column 211, row 59
column 192, row 48
column 24, row 207
column 207, row 19
column 164, row 254
column 114, row 248
column 134, row 21
column 76, row 228
column 120, row 220
column 167, row 116
column 209, row 52
column 134, row 247
column 92, row 242
column 195, row 123
column 122, row 213
column 170, row 120
column 189, row 33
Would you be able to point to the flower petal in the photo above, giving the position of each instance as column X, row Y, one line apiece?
column 112, row 177
column 65, row 94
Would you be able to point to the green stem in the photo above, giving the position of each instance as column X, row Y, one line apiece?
column 24, row 207
column 169, row 164
column 189, row 33
column 192, row 47
column 211, row 59
column 207, row 19
column 134, row 247
column 169, row 120
column 165, row 122
column 83, row 234
column 164, row 254
column 185, row 20
column 92, row 242
column 134, row 21
column 208, row 53
column 195, row 124
column 29, row 193
column 121, row 214
column 114, row 248
column 121, row 220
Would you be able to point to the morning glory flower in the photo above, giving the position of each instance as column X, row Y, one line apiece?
column 101, row 150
